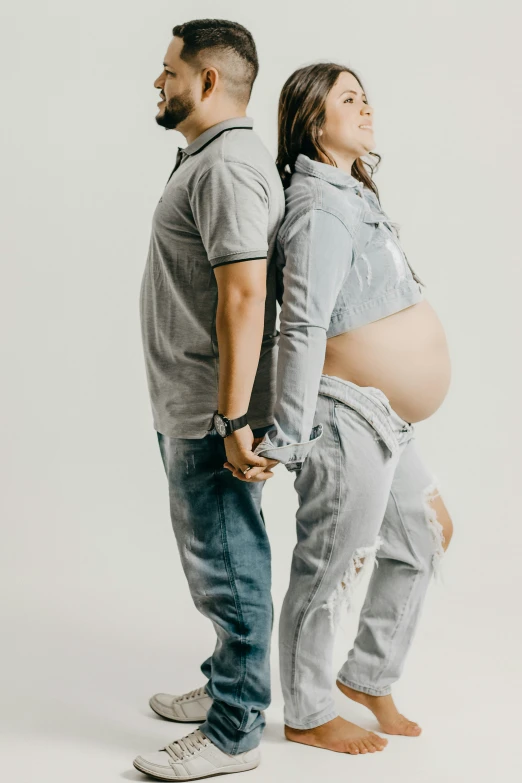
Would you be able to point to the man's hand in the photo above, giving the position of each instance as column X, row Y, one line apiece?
column 239, row 447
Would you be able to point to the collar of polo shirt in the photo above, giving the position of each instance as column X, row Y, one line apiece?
column 216, row 130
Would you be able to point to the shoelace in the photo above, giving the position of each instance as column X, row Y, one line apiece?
column 186, row 746
column 196, row 693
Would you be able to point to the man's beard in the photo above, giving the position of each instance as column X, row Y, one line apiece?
column 176, row 110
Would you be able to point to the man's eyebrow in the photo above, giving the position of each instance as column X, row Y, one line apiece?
column 167, row 67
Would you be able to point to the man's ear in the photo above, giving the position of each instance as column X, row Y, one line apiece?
column 209, row 82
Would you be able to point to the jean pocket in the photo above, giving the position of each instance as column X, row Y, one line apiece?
column 377, row 419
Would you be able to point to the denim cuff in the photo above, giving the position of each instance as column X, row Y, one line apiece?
column 292, row 455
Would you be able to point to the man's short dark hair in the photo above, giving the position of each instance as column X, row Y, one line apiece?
column 232, row 43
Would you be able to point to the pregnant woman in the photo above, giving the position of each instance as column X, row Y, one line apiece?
column 362, row 357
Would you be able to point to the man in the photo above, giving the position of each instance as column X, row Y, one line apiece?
column 208, row 311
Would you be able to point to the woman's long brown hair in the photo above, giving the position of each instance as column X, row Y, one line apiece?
column 302, row 115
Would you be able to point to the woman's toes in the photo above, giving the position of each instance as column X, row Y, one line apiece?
column 370, row 746
column 352, row 748
column 379, row 742
column 408, row 727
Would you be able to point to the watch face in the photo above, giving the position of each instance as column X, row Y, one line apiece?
column 219, row 424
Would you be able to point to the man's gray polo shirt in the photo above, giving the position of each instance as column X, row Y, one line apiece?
column 223, row 203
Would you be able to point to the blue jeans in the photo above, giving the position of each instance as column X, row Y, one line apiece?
column 225, row 554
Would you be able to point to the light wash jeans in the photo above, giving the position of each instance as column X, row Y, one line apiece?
column 363, row 500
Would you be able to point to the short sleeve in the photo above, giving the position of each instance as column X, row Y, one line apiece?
column 230, row 205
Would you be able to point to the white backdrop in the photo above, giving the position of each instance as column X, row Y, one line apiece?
column 96, row 612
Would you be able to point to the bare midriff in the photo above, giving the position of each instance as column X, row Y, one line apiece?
column 405, row 355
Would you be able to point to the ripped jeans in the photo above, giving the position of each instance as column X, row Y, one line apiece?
column 363, row 501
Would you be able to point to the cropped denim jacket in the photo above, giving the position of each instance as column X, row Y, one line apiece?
column 340, row 266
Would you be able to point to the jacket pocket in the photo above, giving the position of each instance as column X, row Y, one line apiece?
column 391, row 229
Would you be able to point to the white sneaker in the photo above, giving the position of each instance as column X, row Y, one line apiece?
column 194, row 757
column 189, row 707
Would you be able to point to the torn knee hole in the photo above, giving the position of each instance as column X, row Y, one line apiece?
column 432, row 493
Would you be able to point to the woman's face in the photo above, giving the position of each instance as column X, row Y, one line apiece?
column 348, row 128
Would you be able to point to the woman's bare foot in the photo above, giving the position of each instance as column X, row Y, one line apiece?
column 339, row 735
column 384, row 709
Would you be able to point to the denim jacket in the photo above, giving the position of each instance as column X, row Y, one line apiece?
column 340, row 267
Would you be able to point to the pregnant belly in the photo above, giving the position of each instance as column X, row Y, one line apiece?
column 405, row 355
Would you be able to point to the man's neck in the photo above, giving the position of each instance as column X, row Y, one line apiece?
column 194, row 129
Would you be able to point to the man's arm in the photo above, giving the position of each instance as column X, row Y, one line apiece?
column 239, row 324
column 230, row 204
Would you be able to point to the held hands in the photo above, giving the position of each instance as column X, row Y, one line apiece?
column 239, row 447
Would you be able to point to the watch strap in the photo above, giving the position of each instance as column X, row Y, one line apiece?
column 236, row 424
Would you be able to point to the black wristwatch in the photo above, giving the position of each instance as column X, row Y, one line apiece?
column 226, row 426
